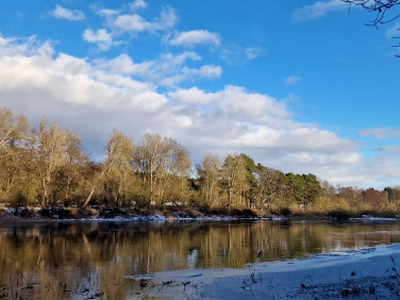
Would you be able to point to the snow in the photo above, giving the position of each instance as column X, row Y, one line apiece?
column 360, row 274
column 367, row 218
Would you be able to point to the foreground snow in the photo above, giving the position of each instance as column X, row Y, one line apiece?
column 365, row 274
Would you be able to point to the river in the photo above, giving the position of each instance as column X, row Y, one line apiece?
column 90, row 259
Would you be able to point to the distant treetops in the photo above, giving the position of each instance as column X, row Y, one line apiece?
column 47, row 166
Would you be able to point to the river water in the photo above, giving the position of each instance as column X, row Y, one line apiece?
column 89, row 259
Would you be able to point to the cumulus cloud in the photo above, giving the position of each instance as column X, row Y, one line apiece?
column 135, row 23
column 3, row 41
column 293, row 80
column 236, row 102
column 127, row 22
column 68, row 14
column 206, row 71
column 132, row 23
column 93, row 97
column 195, row 37
column 101, row 38
column 167, row 70
column 106, row 12
column 138, row 4
column 194, row 96
column 318, row 10
column 64, row 86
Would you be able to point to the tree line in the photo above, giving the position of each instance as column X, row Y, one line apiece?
column 47, row 166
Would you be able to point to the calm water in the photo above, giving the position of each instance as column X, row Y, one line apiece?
column 84, row 259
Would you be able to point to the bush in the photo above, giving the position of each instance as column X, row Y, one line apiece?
column 202, row 207
column 285, row 211
column 55, row 213
column 23, row 196
column 331, row 207
column 339, row 214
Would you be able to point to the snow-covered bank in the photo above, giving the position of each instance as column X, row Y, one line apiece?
column 364, row 274
column 97, row 213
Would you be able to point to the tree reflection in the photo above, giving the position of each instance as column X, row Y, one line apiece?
column 58, row 259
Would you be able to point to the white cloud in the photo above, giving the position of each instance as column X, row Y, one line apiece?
column 252, row 52
column 381, row 133
column 236, row 103
column 206, row 71
column 389, row 149
column 132, row 23
column 167, row 70
column 293, row 80
column 66, row 81
column 95, row 97
column 68, row 14
column 318, row 10
column 106, row 12
column 194, row 96
column 138, row 4
column 3, row 41
column 135, row 23
column 211, row 71
column 101, row 38
column 23, row 46
column 237, row 55
column 195, row 37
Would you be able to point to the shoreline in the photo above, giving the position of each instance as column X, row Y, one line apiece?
column 12, row 220
column 174, row 212
column 37, row 215
column 370, row 273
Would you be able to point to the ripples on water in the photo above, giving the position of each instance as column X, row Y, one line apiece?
column 61, row 259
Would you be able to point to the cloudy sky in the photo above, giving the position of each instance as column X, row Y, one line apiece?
column 301, row 86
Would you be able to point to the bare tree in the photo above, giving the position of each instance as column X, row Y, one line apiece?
column 209, row 175
column 383, row 9
column 14, row 133
column 50, row 146
column 266, row 186
column 153, row 160
column 119, row 150
column 69, row 175
column 12, row 130
column 181, row 166
column 234, row 176
column 385, row 12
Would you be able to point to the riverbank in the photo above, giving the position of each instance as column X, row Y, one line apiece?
column 8, row 215
column 36, row 214
column 364, row 274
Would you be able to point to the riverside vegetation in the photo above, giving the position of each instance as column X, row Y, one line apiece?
column 47, row 167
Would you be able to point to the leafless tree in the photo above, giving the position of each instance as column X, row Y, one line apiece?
column 234, row 176
column 50, row 146
column 119, row 150
column 385, row 12
column 209, row 174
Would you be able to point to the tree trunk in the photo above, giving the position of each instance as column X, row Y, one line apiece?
column 89, row 197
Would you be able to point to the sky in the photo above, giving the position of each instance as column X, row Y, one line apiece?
column 300, row 86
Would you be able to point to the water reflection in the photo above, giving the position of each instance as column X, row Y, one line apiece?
column 85, row 259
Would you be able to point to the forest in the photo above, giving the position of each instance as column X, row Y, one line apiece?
column 47, row 166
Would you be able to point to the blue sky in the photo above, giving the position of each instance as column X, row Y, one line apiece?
column 301, row 86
